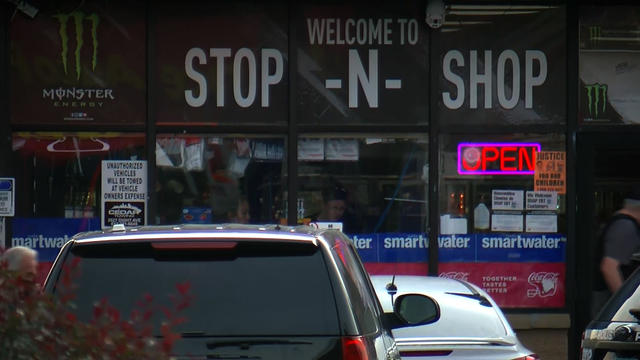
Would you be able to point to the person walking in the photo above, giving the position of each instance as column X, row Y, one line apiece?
column 620, row 240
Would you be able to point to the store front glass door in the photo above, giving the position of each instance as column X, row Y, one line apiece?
column 607, row 169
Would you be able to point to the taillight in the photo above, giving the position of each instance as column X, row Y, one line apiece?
column 353, row 348
column 194, row 245
column 528, row 357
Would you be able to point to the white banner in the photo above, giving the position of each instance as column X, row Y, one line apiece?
column 124, row 193
column 507, row 200
column 7, row 196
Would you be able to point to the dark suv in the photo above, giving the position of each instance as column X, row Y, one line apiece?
column 615, row 332
column 259, row 292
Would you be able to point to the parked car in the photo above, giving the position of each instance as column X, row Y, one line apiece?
column 267, row 292
column 469, row 325
column 614, row 333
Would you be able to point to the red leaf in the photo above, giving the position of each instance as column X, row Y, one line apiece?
column 183, row 288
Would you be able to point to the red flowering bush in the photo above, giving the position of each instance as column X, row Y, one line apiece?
column 34, row 325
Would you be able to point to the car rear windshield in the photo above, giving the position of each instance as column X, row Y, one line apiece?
column 250, row 288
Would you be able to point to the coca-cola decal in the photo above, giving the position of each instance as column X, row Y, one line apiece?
column 544, row 284
column 456, row 275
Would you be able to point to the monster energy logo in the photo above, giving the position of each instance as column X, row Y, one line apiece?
column 596, row 98
column 595, row 33
column 78, row 20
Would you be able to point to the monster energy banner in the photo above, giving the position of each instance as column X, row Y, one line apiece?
column 609, row 66
column 84, row 65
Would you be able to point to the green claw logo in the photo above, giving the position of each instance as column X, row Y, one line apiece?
column 595, row 32
column 78, row 19
column 595, row 94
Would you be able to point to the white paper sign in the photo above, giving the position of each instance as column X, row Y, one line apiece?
column 507, row 200
column 542, row 223
column 124, row 193
column 7, row 196
column 342, row 150
column 507, row 222
column 452, row 225
column 542, row 200
column 311, row 149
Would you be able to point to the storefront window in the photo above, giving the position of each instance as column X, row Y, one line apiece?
column 503, row 217
column 376, row 187
column 58, row 185
column 361, row 65
column 609, row 58
column 501, row 65
column 220, row 63
column 220, row 179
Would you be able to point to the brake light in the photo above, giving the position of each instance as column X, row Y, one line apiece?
column 528, row 357
column 188, row 245
column 353, row 348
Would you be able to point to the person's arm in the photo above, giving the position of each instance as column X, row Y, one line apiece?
column 610, row 269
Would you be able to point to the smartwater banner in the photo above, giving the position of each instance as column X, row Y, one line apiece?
column 493, row 247
column 47, row 235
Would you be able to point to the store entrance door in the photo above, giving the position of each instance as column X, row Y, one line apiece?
column 608, row 165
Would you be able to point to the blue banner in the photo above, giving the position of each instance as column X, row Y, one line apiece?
column 491, row 247
column 47, row 235
column 520, row 247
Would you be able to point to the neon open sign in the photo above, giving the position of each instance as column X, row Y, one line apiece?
column 497, row 158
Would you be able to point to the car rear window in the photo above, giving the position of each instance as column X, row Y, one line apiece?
column 253, row 288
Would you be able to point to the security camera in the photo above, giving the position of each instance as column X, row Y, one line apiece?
column 435, row 13
column 25, row 7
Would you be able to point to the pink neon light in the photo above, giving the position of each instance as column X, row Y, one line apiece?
column 462, row 146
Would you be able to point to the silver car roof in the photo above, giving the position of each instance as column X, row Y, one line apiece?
column 203, row 232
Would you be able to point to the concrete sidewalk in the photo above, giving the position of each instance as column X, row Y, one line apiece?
column 546, row 334
column 549, row 344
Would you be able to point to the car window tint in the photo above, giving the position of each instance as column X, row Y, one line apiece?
column 256, row 288
column 358, row 288
column 625, row 299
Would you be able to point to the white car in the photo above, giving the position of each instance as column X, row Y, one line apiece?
column 469, row 325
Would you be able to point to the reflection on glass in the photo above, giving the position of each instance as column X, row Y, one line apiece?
column 377, row 188
column 370, row 184
column 217, row 179
column 60, row 174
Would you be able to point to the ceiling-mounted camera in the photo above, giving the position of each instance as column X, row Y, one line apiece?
column 25, row 7
column 435, row 13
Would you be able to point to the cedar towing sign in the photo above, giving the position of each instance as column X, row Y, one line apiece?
column 124, row 193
